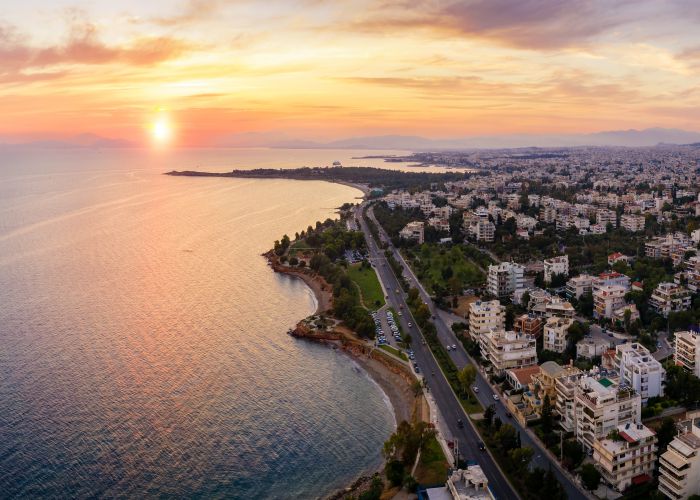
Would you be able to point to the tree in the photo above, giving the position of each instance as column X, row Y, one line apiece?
column 466, row 377
column 489, row 414
column 394, row 472
column 590, row 476
column 665, row 433
column 506, row 437
column 520, row 457
column 546, row 414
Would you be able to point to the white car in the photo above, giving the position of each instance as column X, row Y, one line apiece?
column 454, row 347
column 447, row 347
column 495, row 397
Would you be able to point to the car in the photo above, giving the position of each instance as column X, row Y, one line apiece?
column 658, row 345
column 400, row 313
column 454, row 347
column 475, row 389
column 447, row 347
column 509, row 414
column 460, row 424
column 495, row 397
column 482, row 446
column 410, row 324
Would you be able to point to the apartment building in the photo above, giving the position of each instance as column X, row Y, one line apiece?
column 591, row 348
column 687, row 351
column 679, row 466
column 508, row 350
column 565, row 390
column 632, row 223
column 555, row 331
column 579, row 286
column 607, row 299
column 559, row 307
column 543, row 384
column 529, row 324
column 484, row 317
column 548, row 214
column 414, row 231
column 639, row 370
column 505, row 278
column 626, row 456
column 670, row 297
column 604, row 217
column 556, row 265
column 612, row 278
column 600, row 405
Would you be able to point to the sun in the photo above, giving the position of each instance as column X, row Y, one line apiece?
column 161, row 129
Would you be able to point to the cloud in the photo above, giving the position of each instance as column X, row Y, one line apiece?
column 528, row 24
column 22, row 61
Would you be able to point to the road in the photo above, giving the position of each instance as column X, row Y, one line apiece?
column 445, row 398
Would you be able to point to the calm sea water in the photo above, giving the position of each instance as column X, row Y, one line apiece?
column 142, row 337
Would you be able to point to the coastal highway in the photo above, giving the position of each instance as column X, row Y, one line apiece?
column 449, row 406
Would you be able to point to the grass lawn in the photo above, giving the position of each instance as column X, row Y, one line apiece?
column 436, row 264
column 366, row 279
column 394, row 351
column 432, row 466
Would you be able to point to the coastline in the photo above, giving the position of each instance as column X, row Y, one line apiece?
column 393, row 377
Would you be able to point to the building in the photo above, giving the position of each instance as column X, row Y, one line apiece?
column 554, row 266
column 669, row 297
column 632, row 223
column 478, row 226
column 413, row 231
column 679, row 466
column 520, row 378
column 508, row 350
column 529, row 325
column 600, row 405
column 639, row 370
column 607, row 299
column 612, row 278
column 565, row 389
column 605, row 216
column 468, row 484
column 579, row 285
column 559, row 307
column 591, row 348
column 505, row 278
column 617, row 257
column 484, row 317
column 555, row 332
column 626, row 457
column 687, row 351
column 543, row 384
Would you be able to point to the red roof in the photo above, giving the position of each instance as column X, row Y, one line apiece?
column 627, row 437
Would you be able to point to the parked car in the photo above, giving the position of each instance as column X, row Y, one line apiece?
column 475, row 389
column 495, row 397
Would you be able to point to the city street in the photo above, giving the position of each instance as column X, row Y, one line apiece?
column 442, row 392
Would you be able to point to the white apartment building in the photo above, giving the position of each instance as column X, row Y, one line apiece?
column 669, row 297
column 556, row 265
column 591, row 348
column 604, row 216
column 639, row 370
column 413, row 231
column 607, row 299
column 508, row 350
column 687, row 351
column 600, row 405
column 565, row 388
column 484, row 317
column 679, row 466
column 627, row 455
column 555, row 331
column 579, row 285
column 632, row 223
column 505, row 278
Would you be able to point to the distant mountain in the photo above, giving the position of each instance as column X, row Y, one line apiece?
column 626, row 138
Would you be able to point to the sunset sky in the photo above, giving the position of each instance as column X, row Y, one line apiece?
column 323, row 70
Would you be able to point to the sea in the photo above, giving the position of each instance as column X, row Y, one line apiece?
column 143, row 345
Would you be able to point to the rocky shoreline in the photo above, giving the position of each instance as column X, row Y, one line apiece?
column 393, row 376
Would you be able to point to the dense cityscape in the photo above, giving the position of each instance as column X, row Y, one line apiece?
column 557, row 292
